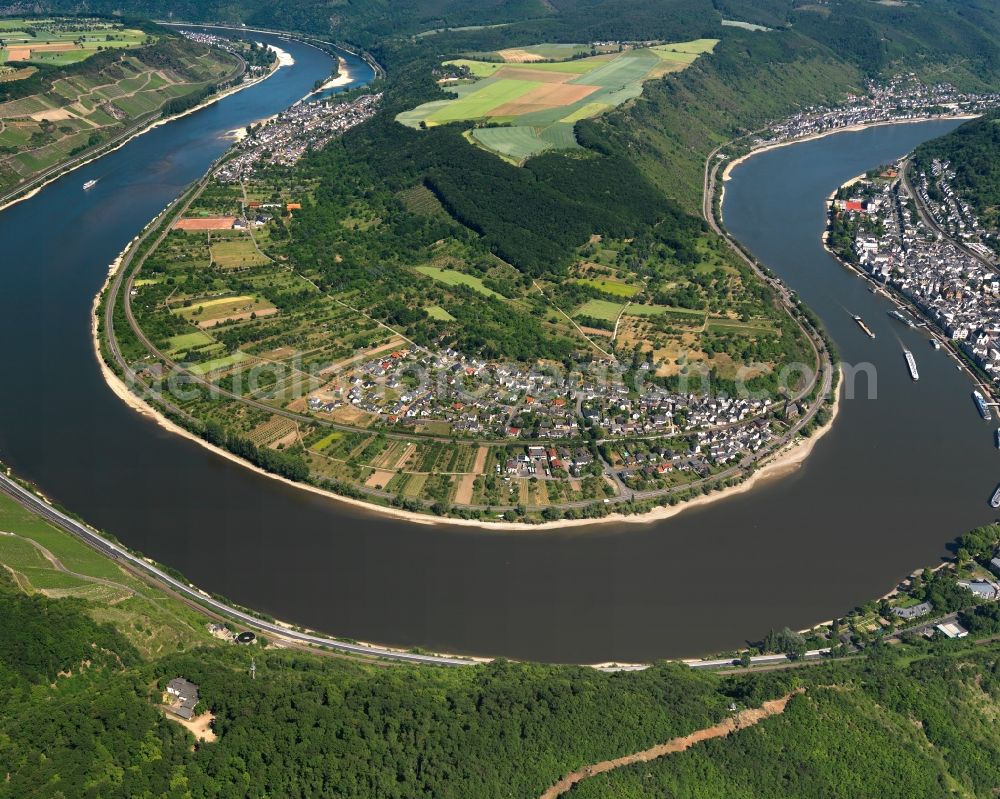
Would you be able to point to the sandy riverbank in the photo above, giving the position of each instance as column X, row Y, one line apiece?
column 145, row 129
column 284, row 57
column 342, row 79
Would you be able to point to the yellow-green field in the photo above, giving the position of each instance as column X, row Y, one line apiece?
column 537, row 98
column 209, row 312
column 237, row 254
column 453, row 278
column 600, row 309
column 612, row 287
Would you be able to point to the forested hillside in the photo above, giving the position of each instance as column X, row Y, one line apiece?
column 78, row 717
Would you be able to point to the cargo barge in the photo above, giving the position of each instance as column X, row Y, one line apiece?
column 867, row 330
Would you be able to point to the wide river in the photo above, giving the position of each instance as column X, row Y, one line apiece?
column 883, row 493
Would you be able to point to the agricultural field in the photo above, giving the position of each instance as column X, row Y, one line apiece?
column 600, row 309
column 60, row 41
column 532, row 96
column 75, row 97
column 210, row 312
column 613, row 287
column 452, row 278
column 237, row 253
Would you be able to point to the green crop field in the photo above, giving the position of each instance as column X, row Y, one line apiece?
column 480, row 69
column 439, row 313
column 743, row 328
column 517, row 143
column 237, row 254
column 659, row 310
column 188, row 341
column 453, row 278
column 600, row 309
column 479, row 103
column 219, row 363
column 541, row 100
column 610, row 287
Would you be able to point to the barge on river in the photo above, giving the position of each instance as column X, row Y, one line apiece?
column 867, row 330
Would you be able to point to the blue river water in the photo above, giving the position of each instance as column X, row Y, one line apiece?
column 882, row 493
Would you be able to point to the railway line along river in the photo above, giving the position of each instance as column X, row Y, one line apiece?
column 880, row 495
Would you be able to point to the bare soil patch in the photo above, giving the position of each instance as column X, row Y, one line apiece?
column 379, row 479
column 480, row 463
column 463, row 495
column 515, row 55
column 199, row 726
column 52, row 115
column 551, row 95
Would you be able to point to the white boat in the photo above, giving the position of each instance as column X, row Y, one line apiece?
column 911, row 364
column 89, row 185
column 982, row 407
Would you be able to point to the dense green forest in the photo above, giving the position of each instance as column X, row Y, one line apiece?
column 78, row 718
column 974, row 152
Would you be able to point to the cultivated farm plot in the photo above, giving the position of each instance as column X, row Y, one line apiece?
column 687, row 315
column 452, row 278
column 540, row 94
column 186, row 342
column 70, row 114
column 517, row 143
column 217, row 364
column 272, row 431
column 439, row 313
column 751, row 328
column 211, row 312
column 612, row 287
column 239, row 253
column 205, row 223
column 600, row 309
